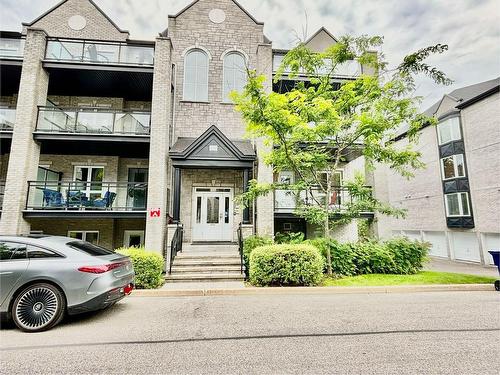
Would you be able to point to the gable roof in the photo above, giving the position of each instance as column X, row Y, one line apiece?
column 194, row 149
column 234, row 1
column 464, row 96
column 321, row 29
column 64, row 1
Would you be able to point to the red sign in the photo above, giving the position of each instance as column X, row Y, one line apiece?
column 154, row 212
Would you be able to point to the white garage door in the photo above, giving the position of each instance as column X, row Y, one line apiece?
column 491, row 241
column 438, row 243
column 466, row 246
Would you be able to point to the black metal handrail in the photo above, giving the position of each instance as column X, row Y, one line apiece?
column 2, row 193
column 176, row 244
column 339, row 196
column 87, row 195
column 240, row 245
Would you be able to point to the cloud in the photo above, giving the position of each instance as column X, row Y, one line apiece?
column 470, row 27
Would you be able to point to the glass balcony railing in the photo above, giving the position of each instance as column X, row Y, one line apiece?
column 87, row 195
column 12, row 48
column 288, row 201
column 349, row 69
column 7, row 118
column 84, row 51
column 93, row 121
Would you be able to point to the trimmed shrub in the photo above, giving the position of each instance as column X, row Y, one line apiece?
column 286, row 264
column 372, row 257
column 249, row 244
column 289, row 237
column 341, row 254
column 409, row 256
column 148, row 267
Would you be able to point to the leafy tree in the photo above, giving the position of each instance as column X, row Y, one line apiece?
column 312, row 128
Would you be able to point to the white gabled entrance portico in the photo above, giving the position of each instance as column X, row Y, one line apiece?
column 212, row 214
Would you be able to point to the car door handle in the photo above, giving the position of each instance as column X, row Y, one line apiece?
column 6, row 273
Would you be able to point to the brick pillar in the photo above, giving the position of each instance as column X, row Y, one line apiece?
column 265, row 204
column 25, row 152
column 156, row 227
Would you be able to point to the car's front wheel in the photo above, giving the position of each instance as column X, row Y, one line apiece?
column 38, row 307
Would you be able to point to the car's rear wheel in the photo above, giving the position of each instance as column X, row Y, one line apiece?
column 38, row 307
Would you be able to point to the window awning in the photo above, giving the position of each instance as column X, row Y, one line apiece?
column 212, row 149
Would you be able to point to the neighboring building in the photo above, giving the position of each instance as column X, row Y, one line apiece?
column 454, row 203
column 115, row 140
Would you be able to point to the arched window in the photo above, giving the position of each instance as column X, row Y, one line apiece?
column 235, row 75
column 196, row 76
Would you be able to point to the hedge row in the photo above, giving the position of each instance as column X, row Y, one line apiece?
column 396, row 256
column 148, row 267
column 296, row 264
column 286, row 264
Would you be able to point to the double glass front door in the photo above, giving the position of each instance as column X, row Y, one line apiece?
column 212, row 214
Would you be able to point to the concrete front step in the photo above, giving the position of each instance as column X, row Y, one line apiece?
column 206, row 262
column 176, row 269
column 206, row 268
column 207, row 256
column 197, row 277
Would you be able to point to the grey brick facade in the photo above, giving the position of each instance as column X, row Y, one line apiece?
column 88, row 64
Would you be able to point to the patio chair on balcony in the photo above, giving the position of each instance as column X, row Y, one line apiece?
column 106, row 201
column 95, row 56
column 76, row 198
column 52, row 198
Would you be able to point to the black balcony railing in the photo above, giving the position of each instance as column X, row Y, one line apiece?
column 87, row 195
column 2, row 193
column 7, row 118
column 99, row 52
column 288, row 200
column 93, row 121
column 12, row 48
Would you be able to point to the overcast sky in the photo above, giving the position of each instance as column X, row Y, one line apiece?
column 471, row 28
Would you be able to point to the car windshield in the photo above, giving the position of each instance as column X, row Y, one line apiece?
column 89, row 248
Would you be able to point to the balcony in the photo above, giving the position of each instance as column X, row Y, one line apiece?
column 97, row 52
column 349, row 70
column 86, row 199
column 93, row 121
column 93, row 131
column 7, row 119
column 287, row 201
column 11, row 48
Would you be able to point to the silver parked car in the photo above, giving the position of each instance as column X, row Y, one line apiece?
column 44, row 277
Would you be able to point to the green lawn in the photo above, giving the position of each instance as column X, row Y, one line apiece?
column 421, row 278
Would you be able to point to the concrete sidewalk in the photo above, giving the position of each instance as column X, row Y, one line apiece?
column 453, row 266
column 210, row 291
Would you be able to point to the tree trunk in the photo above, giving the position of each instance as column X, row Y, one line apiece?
column 327, row 225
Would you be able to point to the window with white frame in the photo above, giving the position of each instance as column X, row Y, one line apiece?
column 457, row 204
column 90, row 180
column 453, row 166
column 89, row 236
column 449, row 130
column 235, row 75
column 196, row 76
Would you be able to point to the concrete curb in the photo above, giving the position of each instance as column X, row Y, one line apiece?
column 313, row 290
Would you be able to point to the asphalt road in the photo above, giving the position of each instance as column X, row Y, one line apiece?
column 427, row 333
